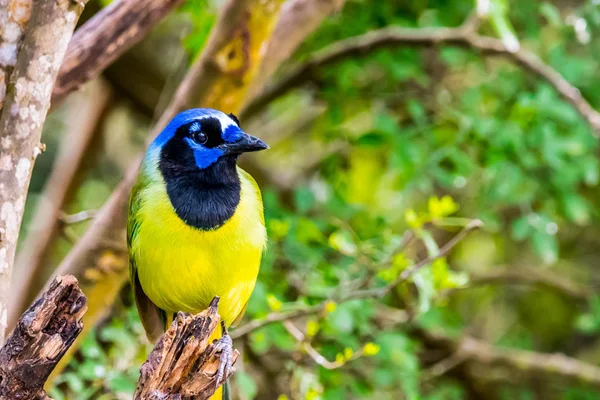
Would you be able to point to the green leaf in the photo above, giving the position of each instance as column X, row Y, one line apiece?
column 576, row 208
column 304, row 199
column 499, row 19
column 551, row 13
column 546, row 246
column 122, row 384
column 520, row 228
column 424, row 281
column 343, row 242
column 246, row 384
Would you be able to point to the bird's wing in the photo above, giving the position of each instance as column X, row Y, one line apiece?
column 153, row 318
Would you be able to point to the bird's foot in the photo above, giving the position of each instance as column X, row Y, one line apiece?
column 225, row 346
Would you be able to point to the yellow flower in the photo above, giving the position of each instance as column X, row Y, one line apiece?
column 348, row 353
column 311, row 394
column 282, row 397
column 371, row 349
column 412, row 219
column 273, row 302
column 439, row 208
column 278, row 228
column 312, row 327
column 330, row 306
column 340, row 359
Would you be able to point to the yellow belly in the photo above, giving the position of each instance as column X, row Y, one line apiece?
column 181, row 268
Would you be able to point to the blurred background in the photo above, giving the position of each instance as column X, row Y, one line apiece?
column 379, row 158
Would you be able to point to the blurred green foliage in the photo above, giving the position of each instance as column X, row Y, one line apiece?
column 430, row 138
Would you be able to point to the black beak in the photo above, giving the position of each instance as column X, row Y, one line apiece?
column 246, row 144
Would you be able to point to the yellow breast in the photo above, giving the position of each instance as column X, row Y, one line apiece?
column 182, row 268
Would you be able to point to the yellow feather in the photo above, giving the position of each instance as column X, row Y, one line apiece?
column 181, row 268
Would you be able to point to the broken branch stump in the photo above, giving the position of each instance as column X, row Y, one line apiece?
column 183, row 365
column 42, row 336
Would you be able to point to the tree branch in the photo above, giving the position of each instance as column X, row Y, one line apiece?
column 482, row 356
column 528, row 276
column 183, row 364
column 464, row 36
column 14, row 16
column 102, row 39
column 81, row 216
column 313, row 353
column 42, row 336
column 28, row 99
column 529, row 362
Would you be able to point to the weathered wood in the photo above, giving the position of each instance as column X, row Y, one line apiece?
column 41, row 337
column 183, row 365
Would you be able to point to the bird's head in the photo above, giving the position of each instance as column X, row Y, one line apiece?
column 198, row 138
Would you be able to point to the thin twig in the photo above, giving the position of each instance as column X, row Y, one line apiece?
column 314, row 353
column 442, row 367
column 81, row 216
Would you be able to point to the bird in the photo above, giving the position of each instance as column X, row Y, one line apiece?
column 195, row 226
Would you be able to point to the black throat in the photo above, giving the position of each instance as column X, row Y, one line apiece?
column 202, row 198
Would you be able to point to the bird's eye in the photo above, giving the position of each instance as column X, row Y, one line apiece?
column 199, row 137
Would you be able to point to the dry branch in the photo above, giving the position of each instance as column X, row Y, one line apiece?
column 43, row 334
column 183, row 364
column 529, row 362
column 464, row 36
column 28, row 99
column 529, row 276
column 515, row 364
column 102, row 39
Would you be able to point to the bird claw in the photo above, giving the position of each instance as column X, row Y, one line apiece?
column 225, row 346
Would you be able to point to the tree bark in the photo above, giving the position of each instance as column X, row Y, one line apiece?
column 14, row 15
column 43, row 334
column 183, row 364
column 27, row 102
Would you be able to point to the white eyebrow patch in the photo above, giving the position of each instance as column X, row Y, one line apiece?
column 225, row 121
